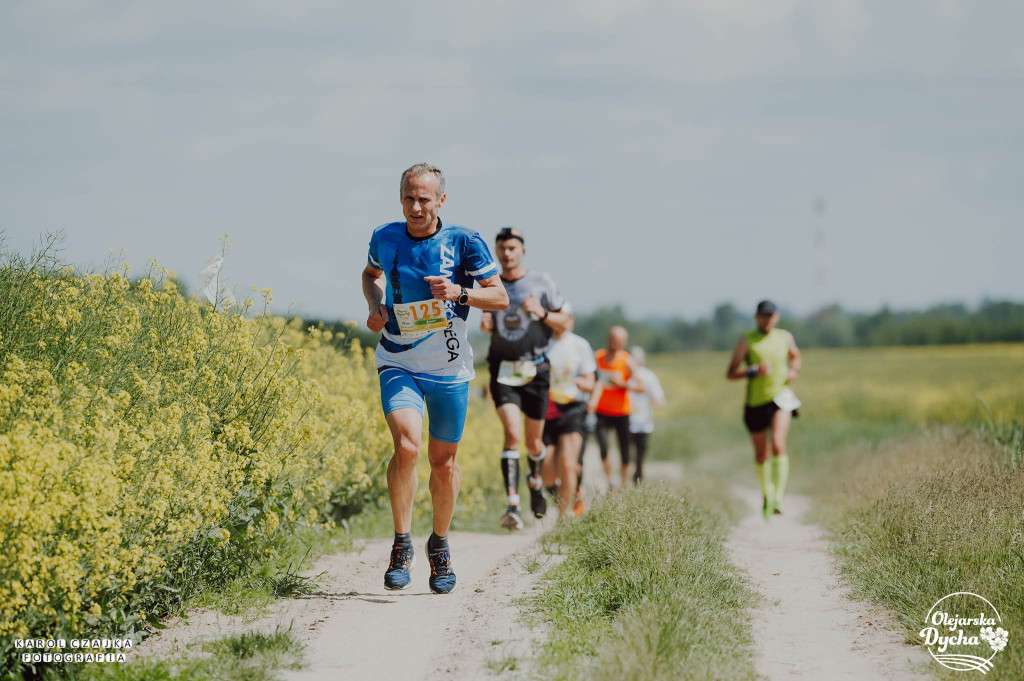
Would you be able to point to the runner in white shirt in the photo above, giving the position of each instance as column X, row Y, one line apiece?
column 641, row 418
column 573, row 376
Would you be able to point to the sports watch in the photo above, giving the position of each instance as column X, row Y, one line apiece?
column 463, row 298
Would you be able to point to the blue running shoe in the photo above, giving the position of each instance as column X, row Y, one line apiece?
column 442, row 579
column 402, row 559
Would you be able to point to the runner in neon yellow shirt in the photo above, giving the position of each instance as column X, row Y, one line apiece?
column 772, row 361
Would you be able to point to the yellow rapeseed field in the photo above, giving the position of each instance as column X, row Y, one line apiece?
column 149, row 442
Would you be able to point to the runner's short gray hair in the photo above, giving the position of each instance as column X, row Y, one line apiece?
column 420, row 169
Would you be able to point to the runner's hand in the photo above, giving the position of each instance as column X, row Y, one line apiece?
column 378, row 317
column 442, row 289
column 764, row 368
column 487, row 322
column 533, row 306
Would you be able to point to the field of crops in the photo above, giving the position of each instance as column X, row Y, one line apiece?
column 848, row 394
column 152, row 445
column 914, row 458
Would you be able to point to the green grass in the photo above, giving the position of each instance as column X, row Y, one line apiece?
column 914, row 458
column 252, row 656
column 496, row 666
column 645, row 592
column 914, row 519
column 277, row 576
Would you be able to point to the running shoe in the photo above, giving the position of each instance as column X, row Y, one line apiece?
column 538, row 504
column 767, row 509
column 402, row 559
column 580, row 507
column 777, row 509
column 511, row 521
column 442, row 579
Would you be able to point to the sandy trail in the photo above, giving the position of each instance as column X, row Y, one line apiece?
column 806, row 627
column 353, row 628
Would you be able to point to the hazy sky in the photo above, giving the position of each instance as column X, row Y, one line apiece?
column 665, row 155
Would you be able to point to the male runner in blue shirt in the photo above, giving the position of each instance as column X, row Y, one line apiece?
column 418, row 283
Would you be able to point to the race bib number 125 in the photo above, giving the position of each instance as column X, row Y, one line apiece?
column 418, row 319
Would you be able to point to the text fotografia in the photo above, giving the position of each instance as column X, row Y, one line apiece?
column 73, row 649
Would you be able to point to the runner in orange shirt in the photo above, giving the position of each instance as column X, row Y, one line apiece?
column 615, row 371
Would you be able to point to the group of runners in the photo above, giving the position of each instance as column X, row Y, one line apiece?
column 421, row 278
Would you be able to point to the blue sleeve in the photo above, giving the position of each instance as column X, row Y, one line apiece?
column 476, row 258
column 372, row 256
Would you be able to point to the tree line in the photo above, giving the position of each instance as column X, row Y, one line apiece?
column 994, row 321
column 830, row 327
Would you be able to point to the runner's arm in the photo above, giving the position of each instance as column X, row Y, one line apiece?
column 739, row 358
column 555, row 320
column 490, row 296
column 374, row 291
column 795, row 361
column 633, row 383
column 586, row 382
column 657, row 393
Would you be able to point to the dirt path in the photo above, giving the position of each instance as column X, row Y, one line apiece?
column 806, row 628
column 355, row 629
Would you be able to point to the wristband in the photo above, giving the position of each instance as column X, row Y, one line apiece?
column 545, row 315
column 752, row 371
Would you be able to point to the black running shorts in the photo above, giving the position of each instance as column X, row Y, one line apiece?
column 759, row 418
column 531, row 398
column 570, row 420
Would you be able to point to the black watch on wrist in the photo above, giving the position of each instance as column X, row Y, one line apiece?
column 463, row 298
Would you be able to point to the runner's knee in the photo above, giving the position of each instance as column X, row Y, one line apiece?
column 444, row 467
column 778, row 443
column 407, row 451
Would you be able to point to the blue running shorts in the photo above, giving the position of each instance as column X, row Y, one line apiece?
column 445, row 402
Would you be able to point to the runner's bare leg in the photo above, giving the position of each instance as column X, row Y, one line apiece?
column 445, row 482
column 406, row 427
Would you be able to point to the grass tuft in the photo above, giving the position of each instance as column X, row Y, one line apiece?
column 278, row 648
column 645, row 592
column 251, row 656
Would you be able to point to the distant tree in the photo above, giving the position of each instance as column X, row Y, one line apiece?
column 831, row 327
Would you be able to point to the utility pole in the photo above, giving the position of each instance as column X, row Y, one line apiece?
column 820, row 268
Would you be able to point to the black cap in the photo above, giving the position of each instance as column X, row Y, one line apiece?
column 766, row 307
column 510, row 233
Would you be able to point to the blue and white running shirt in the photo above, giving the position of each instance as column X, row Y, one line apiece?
column 424, row 336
